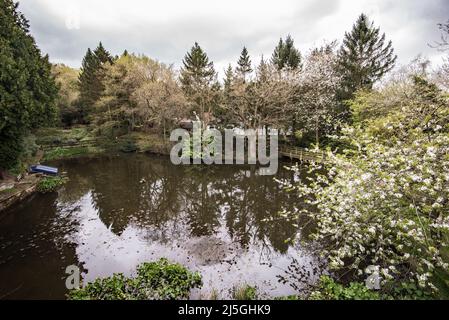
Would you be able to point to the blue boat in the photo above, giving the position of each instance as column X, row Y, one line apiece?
column 43, row 169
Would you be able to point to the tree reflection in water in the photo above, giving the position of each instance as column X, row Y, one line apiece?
column 116, row 212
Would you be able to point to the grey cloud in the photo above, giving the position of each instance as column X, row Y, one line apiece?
column 410, row 24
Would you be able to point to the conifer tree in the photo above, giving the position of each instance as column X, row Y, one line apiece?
column 277, row 57
column 88, row 84
column 262, row 71
column 229, row 77
column 91, row 79
column 198, row 80
column 197, row 70
column 102, row 54
column 364, row 56
column 244, row 64
column 27, row 89
column 285, row 55
column 292, row 55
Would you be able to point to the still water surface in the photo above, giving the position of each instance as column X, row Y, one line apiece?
column 118, row 211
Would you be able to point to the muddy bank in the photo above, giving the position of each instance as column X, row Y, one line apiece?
column 15, row 191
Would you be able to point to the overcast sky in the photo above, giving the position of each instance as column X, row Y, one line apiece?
column 166, row 29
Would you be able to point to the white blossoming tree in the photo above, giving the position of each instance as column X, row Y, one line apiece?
column 318, row 110
column 382, row 205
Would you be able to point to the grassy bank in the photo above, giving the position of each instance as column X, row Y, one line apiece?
column 59, row 143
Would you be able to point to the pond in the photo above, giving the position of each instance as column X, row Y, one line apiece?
column 121, row 210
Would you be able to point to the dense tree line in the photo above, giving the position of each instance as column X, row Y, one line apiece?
column 27, row 89
column 303, row 95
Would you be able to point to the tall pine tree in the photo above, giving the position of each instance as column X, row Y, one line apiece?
column 102, row 54
column 364, row 56
column 229, row 78
column 27, row 89
column 198, row 81
column 197, row 70
column 285, row 55
column 244, row 64
column 91, row 79
column 88, row 84
column 262, row 71
column 292, row 55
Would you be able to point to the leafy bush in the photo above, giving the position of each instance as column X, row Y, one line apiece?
column 29, row 146
column 328, row 289
column 198, row 148
column 154, row 280
column 128, row 146
column 290, row 297
column 50, row 184
column 244, row 292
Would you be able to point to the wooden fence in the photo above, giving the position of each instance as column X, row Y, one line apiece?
column 301, row 154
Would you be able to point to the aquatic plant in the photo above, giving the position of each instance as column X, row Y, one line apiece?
column 50, row 184
column 244, row 292
column 159, row 280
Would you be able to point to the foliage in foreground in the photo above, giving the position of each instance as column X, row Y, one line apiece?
column 328, row 289
column 154, row 280
column 244, row 292
column 50, row 184
column 381, row 207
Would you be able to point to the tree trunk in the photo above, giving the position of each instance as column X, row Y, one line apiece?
column 165, row 135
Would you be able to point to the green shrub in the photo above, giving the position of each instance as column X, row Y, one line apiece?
column 29, row 146
column 290, row 297
column 328, row 289
column 154, row 280
column 50, row 184
column 128, row 146
column 244, row 292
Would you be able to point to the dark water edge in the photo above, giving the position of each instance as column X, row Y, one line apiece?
column 118, row 211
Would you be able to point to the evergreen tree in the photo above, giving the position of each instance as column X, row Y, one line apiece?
column 197, row 70
column 277, row 57
column 364, row 57
column 27, row 89
column 244, row 64
column 262, row 71
column 229, row 77
column 285, row 55
column 292, row 55
column 88, row 84
column 198, row 80
column 91, row 79
column 102, row 54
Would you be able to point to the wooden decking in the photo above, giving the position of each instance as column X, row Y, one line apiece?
column 301, row 154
